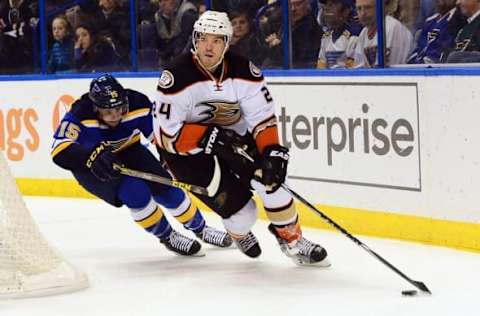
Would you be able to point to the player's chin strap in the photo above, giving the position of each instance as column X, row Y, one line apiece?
column 419, row 285
column 210, row 190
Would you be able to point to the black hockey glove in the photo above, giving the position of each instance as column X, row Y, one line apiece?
column 101, row 162
column 274, row 166
column 220, row 141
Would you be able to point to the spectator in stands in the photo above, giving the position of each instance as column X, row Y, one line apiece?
column 438, row 34
column 398, row 44
column 467, row 42
column 146, row 11
column 406, row 11
column 61, row 53
column 112, row 20
column 174, row 23
column 306, row 38
column 427, row 9
column 232, row 5
column 93, row 52
column 17, row 19
column 53, row 5
column 245, row 40
column 340, row 37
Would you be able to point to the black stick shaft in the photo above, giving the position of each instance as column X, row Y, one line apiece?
column 419, row 285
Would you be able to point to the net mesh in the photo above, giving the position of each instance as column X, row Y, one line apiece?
column 29, row 266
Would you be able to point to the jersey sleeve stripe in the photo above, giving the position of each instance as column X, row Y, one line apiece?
column 270, row 121
column 136, row 114
column 129, row 142
column 90, row 123
column 60, row 147
column 167, row 141
column 189, row 136
column 267, row 137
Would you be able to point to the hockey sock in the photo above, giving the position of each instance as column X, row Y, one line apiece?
column 196, row 224
column 183, row 209
column 152, row 219
column 290, row 232
column 137, row 196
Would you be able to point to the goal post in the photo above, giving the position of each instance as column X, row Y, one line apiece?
column 29, row 265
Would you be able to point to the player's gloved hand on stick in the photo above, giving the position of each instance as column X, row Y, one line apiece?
column 274, row 166
column 220, row 141
column 101, row 162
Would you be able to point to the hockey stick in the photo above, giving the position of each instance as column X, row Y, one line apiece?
column 210, row 190
column 419, row 285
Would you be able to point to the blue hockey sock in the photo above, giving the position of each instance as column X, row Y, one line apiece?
column 196, row 224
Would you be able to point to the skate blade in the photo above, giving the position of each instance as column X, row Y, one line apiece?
column 325, row 263
column 198, row 254
column 195, row 255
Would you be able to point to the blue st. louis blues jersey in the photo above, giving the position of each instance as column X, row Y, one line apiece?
column 80, row 130
column 437, row 36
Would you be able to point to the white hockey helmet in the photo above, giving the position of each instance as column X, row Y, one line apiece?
column 213, row 22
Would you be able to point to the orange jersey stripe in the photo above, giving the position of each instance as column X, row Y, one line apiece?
column 189, row 137
column 267, row 137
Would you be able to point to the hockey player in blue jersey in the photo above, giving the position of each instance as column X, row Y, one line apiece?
column 104, row 127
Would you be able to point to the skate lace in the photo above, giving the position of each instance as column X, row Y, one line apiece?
column 305, row 247
column 180, row 242
column 213, row 236
column 247, row 242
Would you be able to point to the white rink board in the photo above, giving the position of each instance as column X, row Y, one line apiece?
column 433, row 170
column 371, row 130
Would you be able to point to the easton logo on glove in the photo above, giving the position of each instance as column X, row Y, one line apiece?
column 274, row 167
column 280, row 154
column 211, row 140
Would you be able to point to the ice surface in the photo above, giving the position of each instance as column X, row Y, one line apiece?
column 132, row 274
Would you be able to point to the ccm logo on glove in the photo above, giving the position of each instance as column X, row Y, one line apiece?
column 94, row 154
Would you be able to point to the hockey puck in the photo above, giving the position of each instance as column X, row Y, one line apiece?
column 410, row 293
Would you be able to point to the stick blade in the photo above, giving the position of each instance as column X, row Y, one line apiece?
column 422, row 287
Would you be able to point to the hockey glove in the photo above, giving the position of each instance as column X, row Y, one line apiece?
column 101, row 162
column 220, row 141
column 274, row 166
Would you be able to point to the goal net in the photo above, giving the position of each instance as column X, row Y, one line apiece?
column 29, row 266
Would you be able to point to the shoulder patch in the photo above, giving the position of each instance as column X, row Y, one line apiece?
column 166, row 80
column 254, row 70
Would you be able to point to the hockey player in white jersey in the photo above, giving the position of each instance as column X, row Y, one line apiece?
column 205, row 101
column 399, row 39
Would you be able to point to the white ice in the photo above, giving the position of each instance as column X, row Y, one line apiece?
column 132, row 274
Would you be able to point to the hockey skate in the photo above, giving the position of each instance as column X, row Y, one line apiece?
column 301, row 250
column 248, row 244
column 215, row 237
column 182, row 245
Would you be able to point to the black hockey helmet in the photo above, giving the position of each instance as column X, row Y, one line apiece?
column 107, row 93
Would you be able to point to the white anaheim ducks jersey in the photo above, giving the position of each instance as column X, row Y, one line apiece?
column 189, row 99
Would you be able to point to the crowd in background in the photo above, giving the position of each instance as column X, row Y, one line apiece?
column 96, row 35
